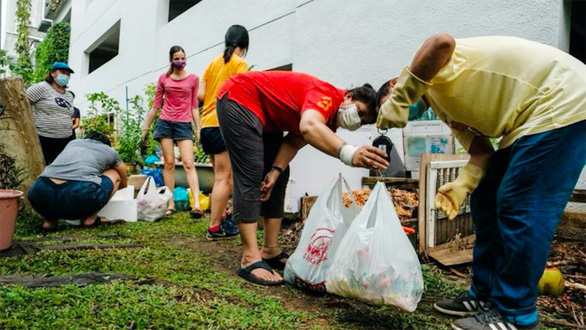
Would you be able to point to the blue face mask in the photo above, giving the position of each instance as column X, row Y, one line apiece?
column 62, row 79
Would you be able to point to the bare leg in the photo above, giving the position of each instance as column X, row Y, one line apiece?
column 251, row 253
column 271, row 248
column 222, row 186
column 186, row 149
column 169, row 167
column 115, row 177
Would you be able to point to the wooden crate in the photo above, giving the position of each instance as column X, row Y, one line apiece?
column 408, row 184
column 306, row 204
column 400, row 183
column 442, row 250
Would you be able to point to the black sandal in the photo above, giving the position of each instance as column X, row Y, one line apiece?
column 276, row 262
column 196, row 214
column 246, row 273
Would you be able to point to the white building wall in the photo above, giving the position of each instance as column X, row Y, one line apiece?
column 9, row 30
column 344, row 42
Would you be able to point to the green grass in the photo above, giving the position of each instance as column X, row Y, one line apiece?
column 190, row 291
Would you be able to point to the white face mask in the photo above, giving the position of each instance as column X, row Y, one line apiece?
column 349, row 118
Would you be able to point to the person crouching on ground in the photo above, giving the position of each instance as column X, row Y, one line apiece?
column 79, row 182
column 533, row 96
column 254, row 109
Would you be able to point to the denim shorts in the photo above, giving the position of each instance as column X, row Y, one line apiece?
column 212, row 141
column 173, row 130
column 71, row 200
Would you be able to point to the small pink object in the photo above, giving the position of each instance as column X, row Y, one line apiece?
column 8, row 211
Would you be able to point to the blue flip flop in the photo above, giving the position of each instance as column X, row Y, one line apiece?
column 246, row 273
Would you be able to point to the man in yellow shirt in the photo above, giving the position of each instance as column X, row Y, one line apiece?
column 533, row 97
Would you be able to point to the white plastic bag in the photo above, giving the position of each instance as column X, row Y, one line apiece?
column 152, row 201
column 375, row 261
column 122, row 206
column 324, row 228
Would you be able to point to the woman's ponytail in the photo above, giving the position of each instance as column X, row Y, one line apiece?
column 237, row 36
column 228, row 53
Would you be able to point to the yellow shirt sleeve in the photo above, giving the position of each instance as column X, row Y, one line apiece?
column 241, row 67
column 204, row 77
column 508, row 87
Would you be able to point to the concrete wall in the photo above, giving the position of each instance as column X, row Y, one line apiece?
column 344, row 42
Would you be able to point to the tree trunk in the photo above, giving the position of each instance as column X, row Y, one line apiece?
column 18, row 135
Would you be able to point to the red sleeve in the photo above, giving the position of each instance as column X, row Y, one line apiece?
column 194, row 102
column 316, row 100
column 158, row 100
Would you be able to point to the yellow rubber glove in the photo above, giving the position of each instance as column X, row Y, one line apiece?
column 395, row 111
column 451, row 195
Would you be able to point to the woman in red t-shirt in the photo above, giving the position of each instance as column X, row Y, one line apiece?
column 177, row 94
column 254, row 109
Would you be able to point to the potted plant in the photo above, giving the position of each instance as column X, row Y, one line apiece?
column 10, row 178
column 9, row 200
column 128, row 136
column 121, row 126
column 102, row 113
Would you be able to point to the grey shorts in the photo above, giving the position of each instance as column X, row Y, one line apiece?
column 173, row 130
column 252, row 153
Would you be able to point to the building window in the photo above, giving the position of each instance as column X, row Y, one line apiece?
column 577, row 28
column 105, row 49
column 286, row 67
column 67, row 17
column 178, row 7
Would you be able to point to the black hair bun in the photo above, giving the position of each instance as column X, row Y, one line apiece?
column 367, row 85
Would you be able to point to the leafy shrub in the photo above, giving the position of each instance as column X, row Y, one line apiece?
column 53, row 48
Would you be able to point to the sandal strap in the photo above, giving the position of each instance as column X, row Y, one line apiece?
column 259, row 264
column 278, row 257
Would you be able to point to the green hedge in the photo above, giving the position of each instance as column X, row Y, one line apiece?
column 53, row 48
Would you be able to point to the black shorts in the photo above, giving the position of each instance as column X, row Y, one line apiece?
column 252, row 153
column 212, row 141
column 71, row 200
column 173, row 130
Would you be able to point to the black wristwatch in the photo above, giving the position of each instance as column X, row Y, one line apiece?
column 277, row 168
column 339, row 150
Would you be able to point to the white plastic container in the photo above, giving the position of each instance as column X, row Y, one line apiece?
column 122, row 206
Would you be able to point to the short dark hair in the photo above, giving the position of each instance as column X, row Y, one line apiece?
column 93, row 135
column 384, row 91
column 366, row 95
column 49, row 78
